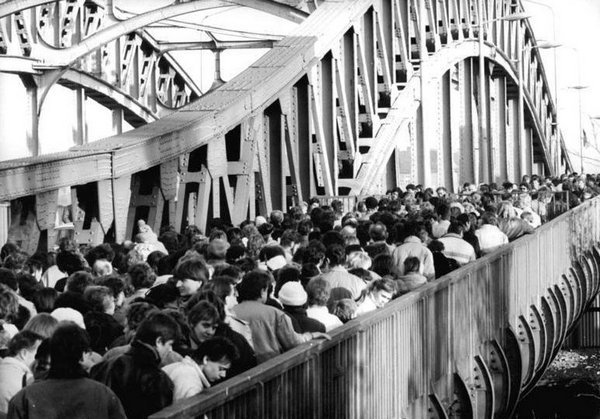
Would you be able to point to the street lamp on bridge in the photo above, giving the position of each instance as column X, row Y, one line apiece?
column 579, row 88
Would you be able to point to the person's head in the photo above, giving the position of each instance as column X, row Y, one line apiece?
column 24, row 345
column 336, row 255
column 70, row 262
column 288, row 273
column 528, row 217
column 344, row 309
column 159, row 331
column 42, row 324
column 383, row 264
column 137, row 313
column 44, row 300
column 117, row 287
column 235, row 253
column 68, row 345
column 506, row 210
column 102, row 267
column 100, row 299
column 232, row 271
column 189, row 275
column 435, row 246
column 372, row 203
column 9, row 303
column 163, row 295
column 101, row 252
column 318, row 291
column 16, row 261
column 456, row 227
column 217, row 249
column 305, row 227
column 215, row 356
column 381, row 291
column 289, row 238
column 224, row 287
column 79, row 281
column 378, row 232
column 254, row 286
column 359, row 260
column 292, row 294
column 9, row 278
column 412, row 265
column 489, row 218
column 7, row 249
column 203, row 319
column 141, row 275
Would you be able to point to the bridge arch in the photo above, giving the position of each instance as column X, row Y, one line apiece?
column 321, row 114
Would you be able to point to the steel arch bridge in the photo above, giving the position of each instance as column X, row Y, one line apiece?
column 361, row 96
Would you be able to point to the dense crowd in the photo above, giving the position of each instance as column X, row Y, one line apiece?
column 124, row 330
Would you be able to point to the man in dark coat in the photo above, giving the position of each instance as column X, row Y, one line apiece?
column 66, row 392
column 135, row 376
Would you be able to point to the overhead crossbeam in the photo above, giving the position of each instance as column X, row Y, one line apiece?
column 51, row 58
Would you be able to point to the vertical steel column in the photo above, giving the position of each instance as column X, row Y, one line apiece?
column 81, row 122
column 425, row 172
column 520, row 139
column 484, row 156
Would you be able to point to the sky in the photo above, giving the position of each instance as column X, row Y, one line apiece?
column 577, row 30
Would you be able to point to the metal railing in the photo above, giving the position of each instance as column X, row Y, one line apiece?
column 406, row 357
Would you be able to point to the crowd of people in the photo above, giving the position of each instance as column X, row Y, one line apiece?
column 124, row 330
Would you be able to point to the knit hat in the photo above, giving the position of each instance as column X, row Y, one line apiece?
column 66, row 314
column 292, row 294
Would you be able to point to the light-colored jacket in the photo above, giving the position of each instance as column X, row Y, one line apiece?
column 323, row 315
column 14, row 375
column 188, row 378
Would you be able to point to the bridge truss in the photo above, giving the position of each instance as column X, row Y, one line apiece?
column 362, row 96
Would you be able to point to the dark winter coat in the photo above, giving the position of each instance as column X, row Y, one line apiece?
column 76, row 398
column 137, row 380
column 301, row 322
column 103, row 330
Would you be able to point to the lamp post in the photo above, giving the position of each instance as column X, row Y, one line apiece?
column 547, row 6
column 579, row 88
